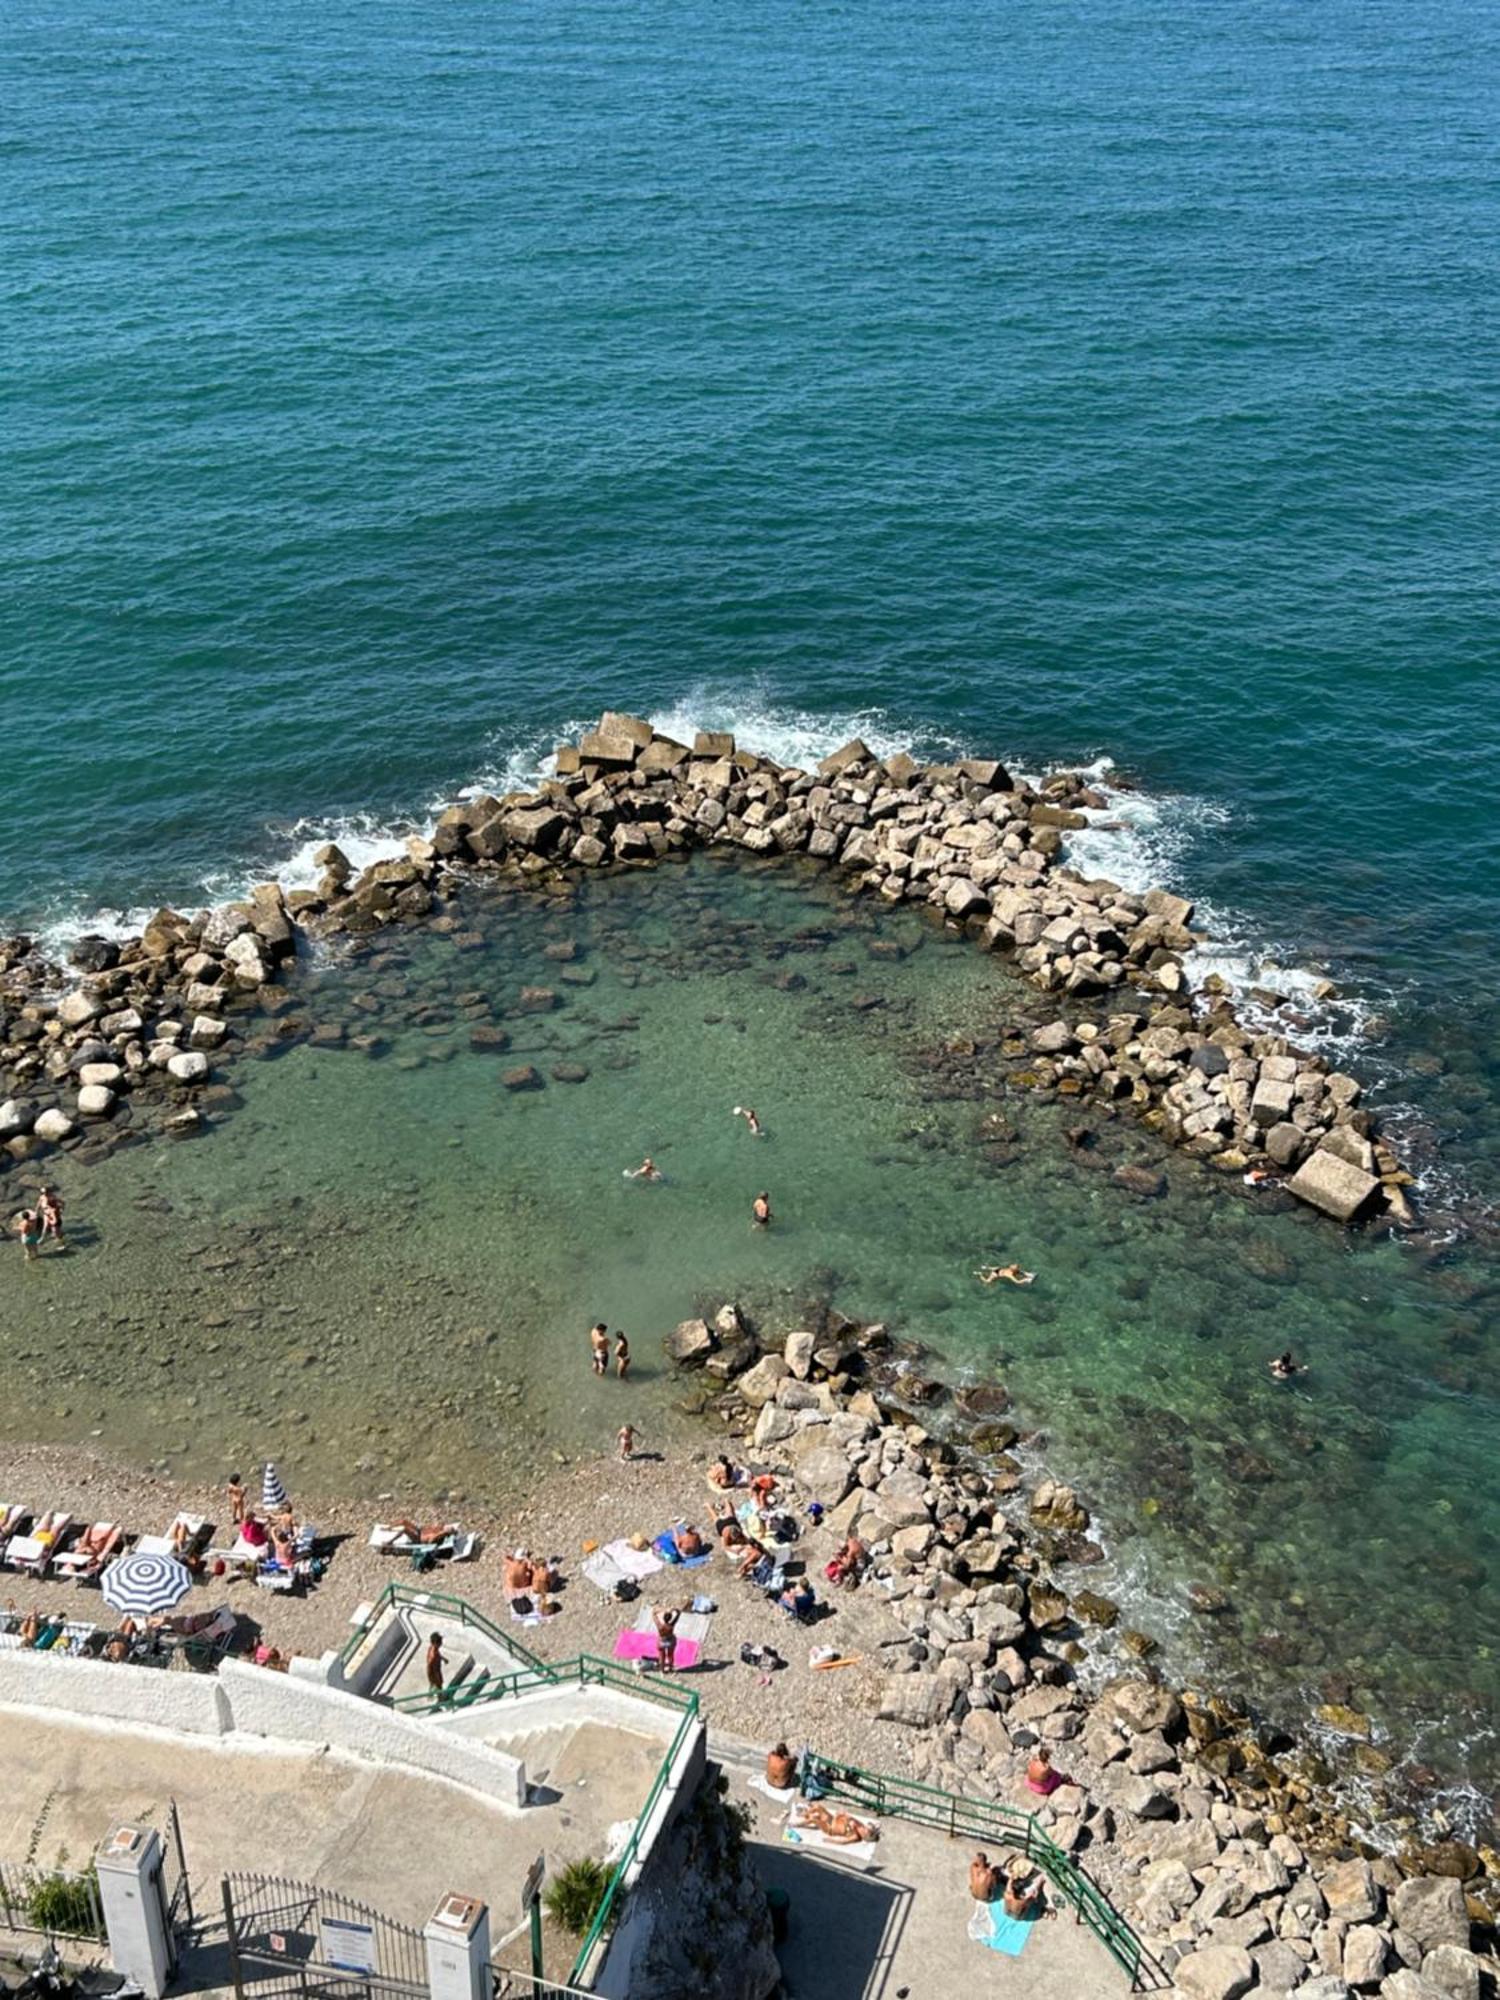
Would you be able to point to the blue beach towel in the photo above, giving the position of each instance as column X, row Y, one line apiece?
column 1007, row 1934
column 666, row 1548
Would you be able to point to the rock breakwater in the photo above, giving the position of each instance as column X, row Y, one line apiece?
column 1221, row 1838
column 133, row 1045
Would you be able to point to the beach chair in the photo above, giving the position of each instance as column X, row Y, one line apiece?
column 84, row 1562
column 198, row 1535
column 15, row 1519
column 32, row 1554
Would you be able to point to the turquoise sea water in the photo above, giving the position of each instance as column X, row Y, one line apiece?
column 387, row 390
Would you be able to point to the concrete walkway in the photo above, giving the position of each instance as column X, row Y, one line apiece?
column 395, row 1841
column 898, row 1929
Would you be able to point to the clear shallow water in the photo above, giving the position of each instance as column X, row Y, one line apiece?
column 386, row 393
column 382, row 1269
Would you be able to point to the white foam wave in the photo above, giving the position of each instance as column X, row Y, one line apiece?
column 795, row 737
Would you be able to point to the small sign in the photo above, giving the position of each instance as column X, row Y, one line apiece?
column 349, row 1947
column 277, row 1942
column 531, row 1888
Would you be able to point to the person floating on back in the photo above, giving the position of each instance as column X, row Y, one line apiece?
column 991, row 1274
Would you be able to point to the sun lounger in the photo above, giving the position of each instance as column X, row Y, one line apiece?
column 15, row 1519
column 196, row 1538
column 457, row 1545
column 33, row 1554
column 83, row 1562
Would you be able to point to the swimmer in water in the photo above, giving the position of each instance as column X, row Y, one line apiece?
column 1012, row 1274
column 1261, row 1177
column 648, row 1170
column 751, row 1121
column 760, row 1211
column 1284, row 1367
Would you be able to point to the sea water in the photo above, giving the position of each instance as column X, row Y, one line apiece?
column 388, row 392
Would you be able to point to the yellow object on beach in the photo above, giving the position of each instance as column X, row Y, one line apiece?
column 639, row 1542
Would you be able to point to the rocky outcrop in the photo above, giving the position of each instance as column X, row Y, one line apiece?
column 1241, row 1877
column 966, row 841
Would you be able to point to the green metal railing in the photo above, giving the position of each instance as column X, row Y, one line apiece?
column 606, row 1909
column 413, row 1597
column 988, row 1819
column 585, row 1670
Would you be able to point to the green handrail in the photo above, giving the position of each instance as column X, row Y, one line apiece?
column 617, row 1880
column 455, row 1608
column 989, row 1819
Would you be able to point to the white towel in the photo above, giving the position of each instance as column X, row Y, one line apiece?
column 635, row 1563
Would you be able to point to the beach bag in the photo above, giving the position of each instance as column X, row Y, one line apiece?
column 627, row 1590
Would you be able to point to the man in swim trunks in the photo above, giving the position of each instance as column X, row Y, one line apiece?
column 984, row 1879
column 599, row 1346
column 1023, row 1894
column 515, row 1573
column 1012, row 1274
column 760, row 1211
column 688, row 1542
column 435, row 1663
column 29, row 1229
column 781, row 1768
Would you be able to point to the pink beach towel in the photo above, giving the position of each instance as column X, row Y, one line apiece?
column 642, row 1646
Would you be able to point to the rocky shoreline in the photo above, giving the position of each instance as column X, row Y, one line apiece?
column 135, row 1036
column 1221, row 1838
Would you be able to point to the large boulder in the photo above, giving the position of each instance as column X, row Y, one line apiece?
column 17, row 1116
column 1141, row 1706
column 1216, row 1972
column 1366, row 1952
column 758, row 1384
column 95, row 1100
column 54, row 1126
column 798, row 1352
column 822, row 1469
column 1431, row 1909
column 921, row 1701
column 690, row 1343
column 903, row 1499
column 1351, row 1891
column 540, row 829
column 77, row 1009
column 1452, row 1970
column 191, row 1066
column 1335, row 1186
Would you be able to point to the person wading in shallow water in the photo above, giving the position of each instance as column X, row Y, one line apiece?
column 752, row 1123
column 760, row 1211
column 599, row 1344
column 49, row 1214
column 622, row 1355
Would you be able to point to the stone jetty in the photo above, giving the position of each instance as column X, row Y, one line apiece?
column 967, row 842
column 1214, row 1833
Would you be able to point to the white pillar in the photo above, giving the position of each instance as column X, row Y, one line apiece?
column 458, row 1950
column 135, row 1908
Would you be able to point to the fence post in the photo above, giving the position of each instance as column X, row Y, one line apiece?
column 134, row 1907
column 457, row 1936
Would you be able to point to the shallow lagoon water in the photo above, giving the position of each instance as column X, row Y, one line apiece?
column 380, row 1268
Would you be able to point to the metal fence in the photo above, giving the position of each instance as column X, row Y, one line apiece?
column 296, row 1938
column 990, row 1820
column 54, row 1902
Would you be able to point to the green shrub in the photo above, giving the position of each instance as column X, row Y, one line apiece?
column 64, row 1905
column 574, row 1894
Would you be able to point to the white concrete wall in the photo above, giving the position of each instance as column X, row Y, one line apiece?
column 555, row 1708
column 112, row 1691
column 252, row 1702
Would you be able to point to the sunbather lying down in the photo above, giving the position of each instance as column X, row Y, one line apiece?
column 840, row 1827
column 435, row 1531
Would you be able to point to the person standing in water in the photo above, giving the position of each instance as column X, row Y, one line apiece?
column 625, row 1439
column 760, row 1211
column 599, row 1344
column 622, row 1355
column 29, row 1229
column 50, row 1215
column 751, row 1121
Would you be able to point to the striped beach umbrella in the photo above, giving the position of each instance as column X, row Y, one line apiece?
column 145, row 1585
column 272, row 1492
